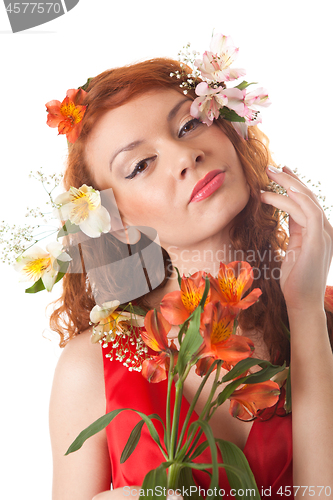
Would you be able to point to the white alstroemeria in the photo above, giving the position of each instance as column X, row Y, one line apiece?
column 207, row 106
column 36, row 263
column 215, row 63
column 83, row 207
column 108, row 321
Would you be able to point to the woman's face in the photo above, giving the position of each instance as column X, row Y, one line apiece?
column 152, row 153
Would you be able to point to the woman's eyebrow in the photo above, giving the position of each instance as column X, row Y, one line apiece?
column 134, row 144
column 176, row 108
column 128, row 147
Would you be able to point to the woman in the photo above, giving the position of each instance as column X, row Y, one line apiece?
column 139, row 138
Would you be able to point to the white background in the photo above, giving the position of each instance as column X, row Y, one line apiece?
column 285, row 46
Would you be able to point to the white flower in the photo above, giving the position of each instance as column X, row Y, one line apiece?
column 83, row 207
column 109, row 321
column 35, row 263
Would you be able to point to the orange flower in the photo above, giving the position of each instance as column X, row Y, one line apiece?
column 67, row 115
column 155, row 337
column 219, row 343
column 232, row 281
column 177, row 306
column 246, row 401
column 328, row 301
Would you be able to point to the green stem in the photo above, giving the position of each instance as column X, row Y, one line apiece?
column 167, row 417
column 175, row 418
column 173, row 476
column 205, row 412
column 191, row 408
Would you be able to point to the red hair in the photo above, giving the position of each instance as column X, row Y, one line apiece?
column 257, row 228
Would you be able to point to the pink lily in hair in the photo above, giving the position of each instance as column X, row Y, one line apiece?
column 207, row 106
column 215, row 64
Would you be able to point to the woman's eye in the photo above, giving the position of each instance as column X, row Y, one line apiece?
column 140, row 167
column 189, row 126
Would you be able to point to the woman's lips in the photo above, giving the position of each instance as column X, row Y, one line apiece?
column 207, row 185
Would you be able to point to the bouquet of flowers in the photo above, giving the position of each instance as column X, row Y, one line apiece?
column 205, row 310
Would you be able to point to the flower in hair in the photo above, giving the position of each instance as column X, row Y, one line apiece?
column 35, row 264
column 83, row 207
column 213, row 71
column 207, row 106
column 215, row 64
column 67, row 115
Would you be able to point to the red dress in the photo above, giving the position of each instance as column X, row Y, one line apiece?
column 268, row 448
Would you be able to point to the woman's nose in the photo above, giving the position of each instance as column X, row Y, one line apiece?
column 183, row 159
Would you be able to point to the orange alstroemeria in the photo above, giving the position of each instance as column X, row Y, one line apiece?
column 67, row 115
column 177, row 306
column 232, row 282
column 328, row 301
column 155, row 337
column 219, row 342
column 246, row 401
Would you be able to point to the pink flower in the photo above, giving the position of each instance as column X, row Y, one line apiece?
column 207, row 106
column 215, row 65
column 252, row 100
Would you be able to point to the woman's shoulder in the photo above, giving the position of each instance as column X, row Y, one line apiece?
column 78, row 386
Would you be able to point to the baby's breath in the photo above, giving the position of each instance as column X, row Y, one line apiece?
column 15, row 239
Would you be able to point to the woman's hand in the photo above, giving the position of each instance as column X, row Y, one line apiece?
column 306, row 264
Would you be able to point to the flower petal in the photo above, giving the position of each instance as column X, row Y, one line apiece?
column 157, row 329
column 97, row 222
column 154, row 369
column 173, row 308
column 254, row 397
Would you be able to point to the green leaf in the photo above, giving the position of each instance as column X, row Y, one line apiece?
column 155, row 477
column 199, row 449
column 205, row 294
column 243, row 85
column 36, row 287
column 178, row 277
column 214, row 483
column 244, row 479
column 187, row 481
column 135, row 437
column 231, row 115
column 265, row 374
column 246, row 364
column 103, row 421
column 132, row 441
column 92, row 429
column 68, row 228
column 191, row 343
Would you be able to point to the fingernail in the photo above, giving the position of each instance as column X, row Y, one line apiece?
column 262, row 191
column 292, row 188
column 289, row 169
column 273, row 169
